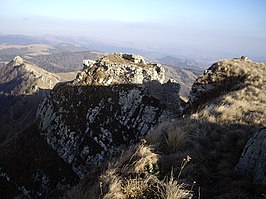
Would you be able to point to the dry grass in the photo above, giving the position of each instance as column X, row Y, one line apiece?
column 244, row 105
column 131, row 176
column 174, row 190
column 169, row 136
column 213, row 136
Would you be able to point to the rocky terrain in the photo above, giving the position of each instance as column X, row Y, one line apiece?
column 204, row 154
column 68, row 58
column 121, row 132
column 112, row 103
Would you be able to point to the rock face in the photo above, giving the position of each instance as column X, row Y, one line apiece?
column 114, row 102
column 253, row 158
column 119, row 69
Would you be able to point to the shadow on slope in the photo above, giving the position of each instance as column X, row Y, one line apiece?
column 214, row 149
column 29, row 166
column 126, row 111
column 152, row 168
column 17, row 112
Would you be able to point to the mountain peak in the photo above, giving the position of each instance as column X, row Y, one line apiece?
column 20, row 77
column 17, row 61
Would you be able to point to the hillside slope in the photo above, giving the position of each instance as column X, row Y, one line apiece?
column 194, row 156
column 184, row 77
column 112, row 130
column 112, row 103
column 22, row 86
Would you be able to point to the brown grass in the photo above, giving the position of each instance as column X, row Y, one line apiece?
column 131, row 176
column 169, row 136
column 213, row 136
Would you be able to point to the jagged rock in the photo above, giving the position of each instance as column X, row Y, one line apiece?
column 244, row 58
column 87, row 63
column 20, row 77
column 115, row 69
column 113, row 103
column 17, row 61
column 253, row 158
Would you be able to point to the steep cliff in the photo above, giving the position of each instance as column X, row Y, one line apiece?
column 114, row 101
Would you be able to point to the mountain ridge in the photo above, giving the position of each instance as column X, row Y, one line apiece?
column 132, row 139
column 22, row 87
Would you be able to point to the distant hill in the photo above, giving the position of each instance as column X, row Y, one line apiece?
column 183, row 76
column 54, row 58
column 181, row 62
column 22, row 86
column 64, row 61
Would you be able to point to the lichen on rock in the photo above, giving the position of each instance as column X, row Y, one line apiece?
column 114, row 102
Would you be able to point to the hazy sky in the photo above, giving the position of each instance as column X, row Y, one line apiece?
column 235, row 26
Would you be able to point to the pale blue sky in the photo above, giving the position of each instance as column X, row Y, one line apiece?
column 219, row 25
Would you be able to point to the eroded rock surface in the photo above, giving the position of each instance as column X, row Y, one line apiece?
column 119, row 69
column 114, row 102
column 253, row 158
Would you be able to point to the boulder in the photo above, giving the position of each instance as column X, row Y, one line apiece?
column 253, row 159
column 17, row 61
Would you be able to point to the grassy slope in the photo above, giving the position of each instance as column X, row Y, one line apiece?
column 213, row 134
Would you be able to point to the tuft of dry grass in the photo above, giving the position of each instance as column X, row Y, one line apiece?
column 131, row 176
column 169, row 136
column 174, row 190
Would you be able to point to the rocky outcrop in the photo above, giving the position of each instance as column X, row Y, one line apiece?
column 119, row 69
column 222, row 77
column 20, row 77
column 114, row 102
column 253, row 159
column 22, row 87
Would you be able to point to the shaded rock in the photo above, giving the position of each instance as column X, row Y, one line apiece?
column 137, row 59
column 115, row 102
column 29, row 166
column 253, row 159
